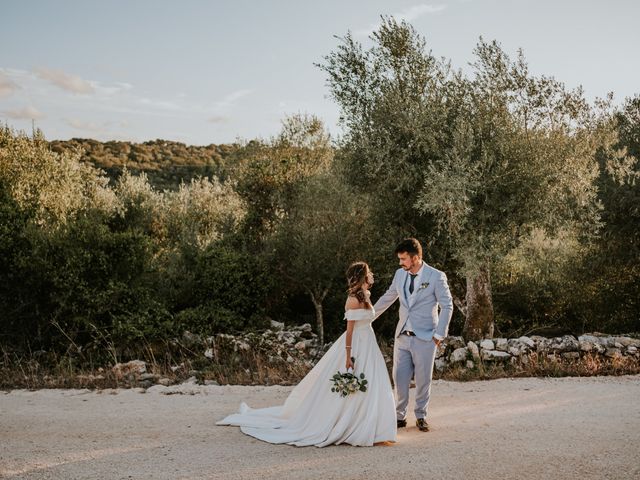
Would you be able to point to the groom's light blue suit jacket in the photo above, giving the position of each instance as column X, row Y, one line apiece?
column 430, row 290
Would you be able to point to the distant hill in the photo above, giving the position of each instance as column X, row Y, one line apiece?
column 166, row 163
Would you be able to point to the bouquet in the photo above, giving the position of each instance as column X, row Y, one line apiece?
column 348, row 382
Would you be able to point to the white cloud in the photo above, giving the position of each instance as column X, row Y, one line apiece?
column 70, row 83
column 26, row 113
column 84, row 125
column 116, row 88
column 218, row 119
column 7, row 86
column 408, row 14
column 230, row 99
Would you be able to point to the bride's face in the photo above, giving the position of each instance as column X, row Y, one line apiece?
column 369, row 281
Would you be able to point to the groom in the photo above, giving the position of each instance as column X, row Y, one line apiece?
column 420, row 330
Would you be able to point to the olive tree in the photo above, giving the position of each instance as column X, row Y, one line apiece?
column 475, row 162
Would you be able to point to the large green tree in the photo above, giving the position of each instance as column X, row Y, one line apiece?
column 476, row 163
column 326, row 229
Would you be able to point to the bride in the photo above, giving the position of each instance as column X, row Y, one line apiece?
column 313, row 414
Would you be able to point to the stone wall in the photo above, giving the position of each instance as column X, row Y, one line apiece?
column 300, row 344
column 518, row 351
column 298, row 347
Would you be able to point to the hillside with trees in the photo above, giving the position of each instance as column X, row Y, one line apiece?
column 165, row 163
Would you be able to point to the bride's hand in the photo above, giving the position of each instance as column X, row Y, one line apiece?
column 348, row 364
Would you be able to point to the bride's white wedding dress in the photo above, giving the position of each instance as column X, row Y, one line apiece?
column 314, row 415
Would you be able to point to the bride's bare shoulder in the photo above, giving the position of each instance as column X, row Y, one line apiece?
column 351, row 303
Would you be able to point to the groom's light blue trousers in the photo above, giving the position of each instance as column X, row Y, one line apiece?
column 413, row 357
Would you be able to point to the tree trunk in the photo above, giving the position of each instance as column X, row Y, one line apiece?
column 317, row 303
column 479, row 322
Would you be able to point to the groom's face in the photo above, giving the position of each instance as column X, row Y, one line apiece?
column 407, row 261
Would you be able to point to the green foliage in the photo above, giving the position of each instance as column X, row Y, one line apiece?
column 230, row 285
column 504, row 168
column 270, row 174
column 471, row 166
column 166, row 164
column 88, row 265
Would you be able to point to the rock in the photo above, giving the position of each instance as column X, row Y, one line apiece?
column 454, row 342
column 275, row 359
column 470, row 364
column 145, row 384
column 459, row 355
column 300, row 346
column 156, row 389
column 568, row 343
column 149, row 376
column 277, row 325
column 290, row 359
column 191, row 339
column 473, row 349
column 631, row 350
column 613, row 353
column 211, row 382
column 599, row 348
column 502, row 344
column 305, row 328
column 487, row 344
column 494, row 355
column 571, row 355
column 626, row 341
column 537, row 339
column 134, row 366
column 585, row 345
column 527, row 341
column 165, row 381
column 209, row 353
column 589, row 338
column 440, row 364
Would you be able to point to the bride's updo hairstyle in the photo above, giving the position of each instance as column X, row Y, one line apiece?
column 357, row 274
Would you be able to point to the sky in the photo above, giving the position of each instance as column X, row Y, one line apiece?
column 219, row 71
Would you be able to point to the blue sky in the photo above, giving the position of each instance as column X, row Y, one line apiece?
column 204, row 72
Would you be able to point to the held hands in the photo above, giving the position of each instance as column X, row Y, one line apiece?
column 437, row 341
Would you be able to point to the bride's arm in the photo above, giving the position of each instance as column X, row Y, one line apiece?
column 352, row 303
column 348, row 350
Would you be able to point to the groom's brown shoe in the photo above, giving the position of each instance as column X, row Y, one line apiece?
column 401, row 423
column 422, row 425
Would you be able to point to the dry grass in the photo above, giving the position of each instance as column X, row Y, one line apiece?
column 588, row 365
column 254, row 367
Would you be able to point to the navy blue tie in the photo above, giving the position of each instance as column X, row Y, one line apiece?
column 413, row 277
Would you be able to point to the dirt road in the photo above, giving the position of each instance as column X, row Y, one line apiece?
column 570, row 428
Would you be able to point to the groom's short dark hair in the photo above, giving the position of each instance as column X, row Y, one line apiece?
column 409, row 245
